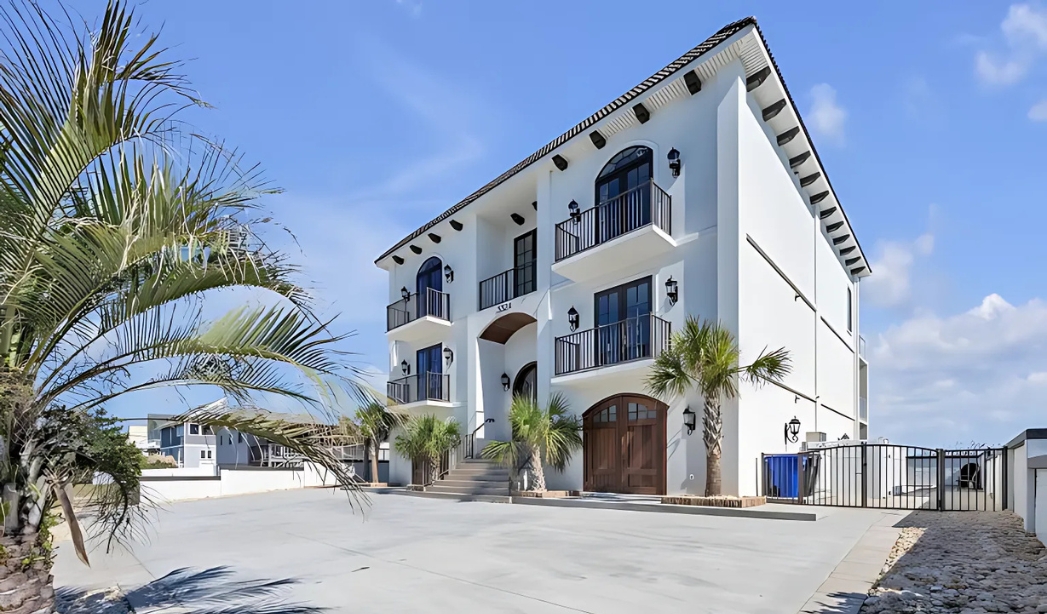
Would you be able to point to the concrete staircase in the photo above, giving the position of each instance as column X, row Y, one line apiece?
column 473, row 480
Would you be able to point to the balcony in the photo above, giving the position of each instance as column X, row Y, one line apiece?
column 419, row 317
column 631, row 227
column 508, row 285
column 629, row 341
column 422, row 390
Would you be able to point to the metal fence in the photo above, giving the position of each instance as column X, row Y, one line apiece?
column 644, row 205
column 889, row 476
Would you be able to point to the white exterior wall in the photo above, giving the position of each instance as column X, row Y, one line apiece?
column 236, row 482
column 735, row 185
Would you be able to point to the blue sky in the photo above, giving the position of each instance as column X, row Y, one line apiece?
column 931, row 119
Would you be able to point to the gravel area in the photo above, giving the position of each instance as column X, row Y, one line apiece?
column 964, row 562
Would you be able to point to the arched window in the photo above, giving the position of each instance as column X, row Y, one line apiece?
column 621, row 191
column 430, row 275
column 526, row 383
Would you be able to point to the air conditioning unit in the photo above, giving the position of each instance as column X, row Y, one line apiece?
column 815, row 437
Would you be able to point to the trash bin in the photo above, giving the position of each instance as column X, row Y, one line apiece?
column 782, row 475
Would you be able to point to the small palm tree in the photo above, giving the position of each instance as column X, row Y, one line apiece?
column 548, row 435
column 425, row 440
column 705, row 356
column 374, row 422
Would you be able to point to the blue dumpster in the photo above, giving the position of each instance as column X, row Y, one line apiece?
column 782, row 475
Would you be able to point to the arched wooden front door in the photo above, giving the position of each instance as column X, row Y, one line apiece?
column 625, row 445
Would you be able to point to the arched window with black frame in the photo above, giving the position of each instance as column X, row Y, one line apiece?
column 623, row 196
column 430, row 283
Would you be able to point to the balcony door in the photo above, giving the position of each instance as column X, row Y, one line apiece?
column 621, row 205
column 430, row 275
column 623, row 328
column 524, row 257
column 430, row 373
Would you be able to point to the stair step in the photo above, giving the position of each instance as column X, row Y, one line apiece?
column 495, row 472
column 488, row 490
column 467, row 484
column 458, row 496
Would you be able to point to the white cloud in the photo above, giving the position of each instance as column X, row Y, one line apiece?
column 891, row 286
column 827, row 116
column 1038, row 112
column 1024, row 32
column 978, row 375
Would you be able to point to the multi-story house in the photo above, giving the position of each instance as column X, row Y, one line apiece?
column 190, row 444
column 698, row 192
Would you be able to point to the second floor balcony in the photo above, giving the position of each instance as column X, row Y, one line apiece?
column 632, row 339
column 632, row 226
column 424, row 389
column 507, row 285
column 428, row 311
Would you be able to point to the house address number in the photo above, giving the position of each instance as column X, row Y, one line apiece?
column 505, row 306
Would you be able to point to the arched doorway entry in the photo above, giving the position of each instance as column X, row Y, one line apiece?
column 624, row 445
column 526, row 382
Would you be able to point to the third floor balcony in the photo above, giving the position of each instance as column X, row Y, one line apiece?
column 419, row 315
column 630, row 227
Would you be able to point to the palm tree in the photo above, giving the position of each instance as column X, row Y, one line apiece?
column 425, row 440
column 704, row 355
column 116, row 227
column 374, row 422
column 548, row 436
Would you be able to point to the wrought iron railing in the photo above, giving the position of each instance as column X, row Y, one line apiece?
column 422, row 387
column 508, row 285
column 634, row 338
column 644, row 205
column 432, row 303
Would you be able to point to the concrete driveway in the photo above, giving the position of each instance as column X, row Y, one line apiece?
column 409, row 554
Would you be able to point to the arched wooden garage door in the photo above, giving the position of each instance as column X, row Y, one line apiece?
column 625, row 445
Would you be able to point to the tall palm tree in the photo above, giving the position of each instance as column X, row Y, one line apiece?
column 374, row 423
column 425, row 440
column 116, row 226
column 541, row 435
column 705, row 356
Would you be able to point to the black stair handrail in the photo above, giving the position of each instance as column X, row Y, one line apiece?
column 463, row 450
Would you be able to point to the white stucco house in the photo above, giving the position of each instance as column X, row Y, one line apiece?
column 698, row 192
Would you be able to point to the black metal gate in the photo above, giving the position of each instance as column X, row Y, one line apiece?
column 889, row 476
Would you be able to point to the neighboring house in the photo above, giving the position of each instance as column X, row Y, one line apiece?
column 189, row 443
column 698, row 192
column 138, row 435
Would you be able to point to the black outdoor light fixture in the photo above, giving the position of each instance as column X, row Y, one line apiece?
column 572, row 318
column 689, row 418
column 505, row 381
column 448, row 273
column 573, row 208
column 448, row 356
column 406, row 368
column 674, row 161
column 792, row 430
column 405, row 293
column 671, row 291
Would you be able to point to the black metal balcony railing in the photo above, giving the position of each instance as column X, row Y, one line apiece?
column 631, row 210
column 422, row 387
column 433, row 303
column 634, row 338
column 508, row 285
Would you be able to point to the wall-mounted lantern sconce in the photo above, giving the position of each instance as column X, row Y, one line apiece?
column 448, row 273
column 689, row 418
column 505, row 381
column 792, row 430
column 405, row 293
column 572, row 318
column 448, row 356
column 674, row 162
column 573, row 208
column 406, row 368
column 671, row 291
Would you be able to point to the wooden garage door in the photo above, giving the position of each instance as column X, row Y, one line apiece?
column 625, row 445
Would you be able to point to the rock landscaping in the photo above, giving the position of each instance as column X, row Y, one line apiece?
column 962, row 562
column 721, row 501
